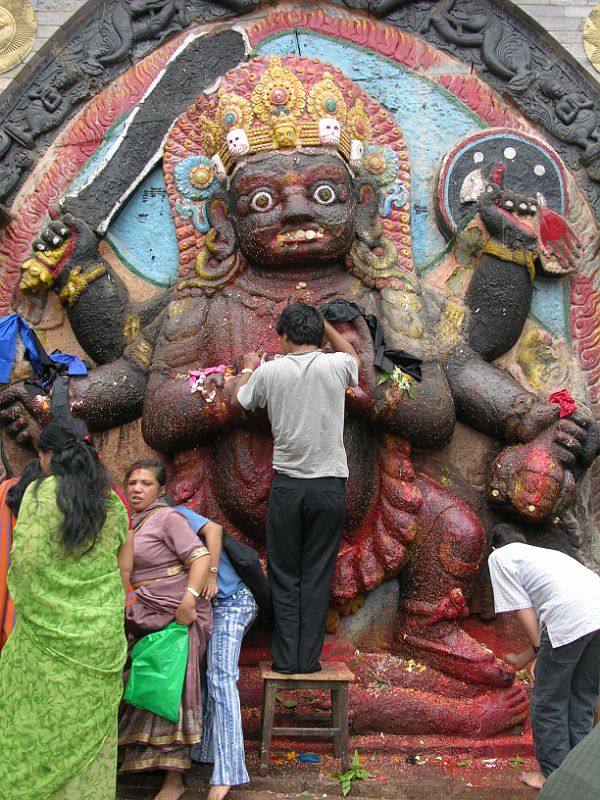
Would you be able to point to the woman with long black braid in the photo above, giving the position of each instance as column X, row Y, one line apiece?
column 60, row 671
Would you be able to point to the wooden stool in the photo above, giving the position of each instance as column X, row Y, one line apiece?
column 333, row 677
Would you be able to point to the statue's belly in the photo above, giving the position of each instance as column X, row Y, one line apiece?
column 242, row 475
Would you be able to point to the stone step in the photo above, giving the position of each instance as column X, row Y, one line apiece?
column 453, row 780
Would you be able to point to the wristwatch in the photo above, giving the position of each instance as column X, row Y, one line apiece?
column 247, row 371
column 214, row 570
column 535, row 648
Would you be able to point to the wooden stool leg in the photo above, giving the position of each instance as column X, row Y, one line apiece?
column 336, row 722
column 343, row 721
column 268, row 712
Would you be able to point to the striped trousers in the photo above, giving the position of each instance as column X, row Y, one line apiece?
column 223, row 742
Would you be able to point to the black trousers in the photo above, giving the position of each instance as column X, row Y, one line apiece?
column 304, row 529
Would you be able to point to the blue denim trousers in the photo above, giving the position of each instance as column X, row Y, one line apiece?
column 564, row 697
column 223, row 741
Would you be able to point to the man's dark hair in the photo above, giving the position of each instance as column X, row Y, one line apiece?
column 503, row 533
column 301, row 324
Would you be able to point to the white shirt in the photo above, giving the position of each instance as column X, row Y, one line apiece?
column 564, row 594
column 304, row 394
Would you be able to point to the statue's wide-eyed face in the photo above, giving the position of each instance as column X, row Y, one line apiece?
column 294, row 209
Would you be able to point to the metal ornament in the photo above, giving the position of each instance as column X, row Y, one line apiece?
column 18, row 27
column 591, row 38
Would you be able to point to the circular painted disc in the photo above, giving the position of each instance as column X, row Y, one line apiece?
column 530, row 166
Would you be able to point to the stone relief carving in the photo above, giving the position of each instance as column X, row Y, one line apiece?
column 133, row 21
column 223, row 309
column 45, row 106
column 572, row 116
column 472, row 24
column 237, row 273
column 14, row 160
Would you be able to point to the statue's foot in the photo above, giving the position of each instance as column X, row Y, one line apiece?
column 400, row 711
column 448, row 648
column 497, row 711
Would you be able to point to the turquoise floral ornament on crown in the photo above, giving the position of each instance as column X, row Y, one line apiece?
column 380, row 164
column 195, row 178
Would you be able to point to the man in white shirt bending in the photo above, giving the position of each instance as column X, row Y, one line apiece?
column 304, row 395
column 557, row 601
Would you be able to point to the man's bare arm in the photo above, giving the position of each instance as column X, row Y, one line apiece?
column 338, row 343
column 530, row 624
column 250, row 361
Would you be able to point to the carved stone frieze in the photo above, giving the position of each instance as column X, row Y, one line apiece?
column 14, row 160
column 45, row 106
column 487, row 37
column 570, row 114
column 86, row 55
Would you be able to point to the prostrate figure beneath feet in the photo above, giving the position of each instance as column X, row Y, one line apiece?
column 304, row 395
column 557, row 601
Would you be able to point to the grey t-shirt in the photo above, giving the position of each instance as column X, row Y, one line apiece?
column 304, row 395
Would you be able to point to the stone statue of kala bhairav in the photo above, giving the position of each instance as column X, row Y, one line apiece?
column 304, row 184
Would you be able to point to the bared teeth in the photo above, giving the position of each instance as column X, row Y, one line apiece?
column 299, row 235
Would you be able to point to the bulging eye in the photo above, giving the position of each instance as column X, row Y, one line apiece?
column 324, row 194
column 262, row 201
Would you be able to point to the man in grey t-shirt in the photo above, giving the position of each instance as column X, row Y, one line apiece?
column 304, row 395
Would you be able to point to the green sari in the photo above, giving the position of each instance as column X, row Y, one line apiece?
column 61, row 669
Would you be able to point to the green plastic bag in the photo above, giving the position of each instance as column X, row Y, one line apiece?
column 158, row 663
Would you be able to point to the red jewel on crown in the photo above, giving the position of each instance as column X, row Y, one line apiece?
column 279, row 96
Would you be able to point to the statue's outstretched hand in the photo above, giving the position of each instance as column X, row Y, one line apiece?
column 73, row 234
column 52, row 238
column 63, row 241
column 521, row 222
column 21, row 414
column 561, row 251
column 576, row 439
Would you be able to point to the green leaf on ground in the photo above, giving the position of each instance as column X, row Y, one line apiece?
column 356, row 772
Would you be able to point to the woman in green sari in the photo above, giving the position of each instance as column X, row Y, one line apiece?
column 60, row 671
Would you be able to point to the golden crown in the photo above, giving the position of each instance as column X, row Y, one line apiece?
column 278, row 107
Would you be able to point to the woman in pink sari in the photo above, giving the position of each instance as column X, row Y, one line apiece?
column 170, row 570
